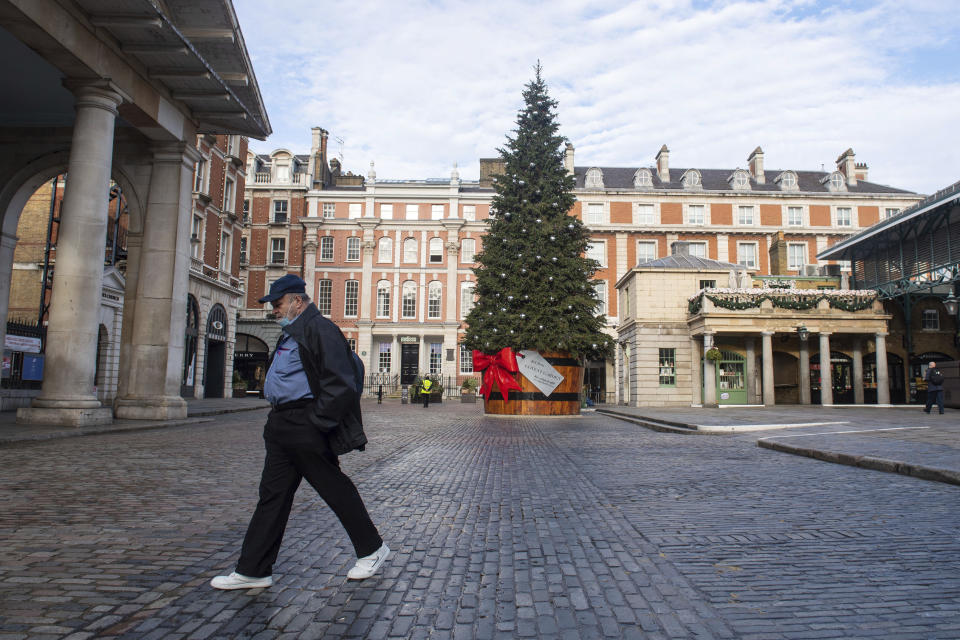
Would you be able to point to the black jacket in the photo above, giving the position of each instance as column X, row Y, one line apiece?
column 328, row 362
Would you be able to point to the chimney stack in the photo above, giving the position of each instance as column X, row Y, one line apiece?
column 663, row 164
column 568, row 159
column 846, row 164
column 756, row 165
column 318, row 156
column 860, row 170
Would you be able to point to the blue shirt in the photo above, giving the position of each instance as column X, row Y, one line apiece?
column 286, row 380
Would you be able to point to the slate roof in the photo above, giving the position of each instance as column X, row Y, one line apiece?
column 681, row 261
column 621, row 178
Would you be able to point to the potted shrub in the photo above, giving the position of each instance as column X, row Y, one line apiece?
column 239, row 385
column 468, row 390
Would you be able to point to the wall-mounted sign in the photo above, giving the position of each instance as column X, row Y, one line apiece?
column 32, row 368
column 409, row 340
column 217, row 325
column 24, row 344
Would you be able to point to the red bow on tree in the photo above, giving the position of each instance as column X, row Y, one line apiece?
column 497, row 369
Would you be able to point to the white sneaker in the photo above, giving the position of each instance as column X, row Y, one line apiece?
column 368, row 565
column 238, row 581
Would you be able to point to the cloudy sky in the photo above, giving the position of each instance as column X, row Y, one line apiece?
column 417, row 85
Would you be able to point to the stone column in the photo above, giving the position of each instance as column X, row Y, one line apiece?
column 751, row 370
column 769, row 398
column 367, row 293
column 696, row 371
column 151, row 389
column 804, row 372
column 857, row 370
column 8, row 244
column 310, row 260
column 67, row 396
column 709, row 374
column 883, row 376
column 826, row 380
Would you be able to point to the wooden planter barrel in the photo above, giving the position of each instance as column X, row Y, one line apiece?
column 564, row 401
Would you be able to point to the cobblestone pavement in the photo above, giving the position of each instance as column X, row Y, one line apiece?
column 501, row 528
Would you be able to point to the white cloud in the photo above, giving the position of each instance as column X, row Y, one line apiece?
column 416, row 86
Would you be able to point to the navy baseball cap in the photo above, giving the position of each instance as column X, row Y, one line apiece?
column 284, row 285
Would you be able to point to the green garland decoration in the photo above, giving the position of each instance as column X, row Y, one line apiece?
column 801, row 303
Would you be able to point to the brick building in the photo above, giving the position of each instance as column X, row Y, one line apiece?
column 391, row 260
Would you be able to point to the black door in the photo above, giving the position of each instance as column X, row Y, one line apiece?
column 409, row 362
column 216, row 359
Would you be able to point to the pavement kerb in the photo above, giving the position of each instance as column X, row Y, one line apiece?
column 918, row 471
column 662, row 426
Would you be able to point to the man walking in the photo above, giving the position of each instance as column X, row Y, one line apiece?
column 934, row 379
column 311, row 384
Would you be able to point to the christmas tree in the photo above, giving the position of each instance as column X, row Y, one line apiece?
column 534, row 288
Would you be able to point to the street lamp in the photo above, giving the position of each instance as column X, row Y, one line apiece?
column 950, row 304
column 803, row 333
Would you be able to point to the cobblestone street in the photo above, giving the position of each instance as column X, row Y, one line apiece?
column 582, row 527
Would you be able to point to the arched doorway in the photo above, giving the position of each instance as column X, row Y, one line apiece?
column 216, row 356
column 191, row 334
column 919, row 364
column 841, row 369
column 898, row 393
column 250, row 356
column 731, row 378
column 786, row 378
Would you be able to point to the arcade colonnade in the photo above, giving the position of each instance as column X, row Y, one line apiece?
column 156, row 179
column 803, row 345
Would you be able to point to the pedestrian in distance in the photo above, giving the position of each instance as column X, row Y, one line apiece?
column 934, row 379
column 425, row 388
column 312, row 387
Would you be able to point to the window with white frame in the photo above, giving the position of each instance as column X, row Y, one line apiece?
column 836, row 182
column 668, row 367
column 408, row 300
column 696, row 214
column 200, row 176
column 643, row 179
column 246, row 209
column 436, row 250
column 196, row 235
column 931, row 320
column 740, row 180
column 436, row 358
column 646, row 251
column 745, row 214
column 796, row 256
column 645, row 214
column 469, row 212
column 280, row 211
column 466, row 299
column 600, row 287
column 353, row 249
column 386, row 212
column 889, row 212
column 434, row 299
column 747, row 254
column 229, row 195
column 355, row 210
column 436, row 212
column 383, row 361
column 468, row 248
column 844, row 217
column 410, row 250
column 698, row 249
column 413, row 211
column 324, row 296
column 691, row 179
column 243, row 250
column 350, row 296
column 326, row 249
column 329, row 209
column 593, row 179
column 598, row 251
column 385, row 249
column 226, row 244
column 594, row 213
column 795, row 216
column 787, row 180
column 466, row 359
column 352, row 343
column 383, row 299
column 278, row 250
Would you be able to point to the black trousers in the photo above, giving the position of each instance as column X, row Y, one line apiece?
column 934, row 396
column 295, row 450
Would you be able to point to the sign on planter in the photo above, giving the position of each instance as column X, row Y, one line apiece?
column 538, row 371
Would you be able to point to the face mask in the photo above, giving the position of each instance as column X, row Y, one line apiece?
column 284, row 321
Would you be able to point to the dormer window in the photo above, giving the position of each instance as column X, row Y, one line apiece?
column 594, row 179
column 739, row 180
column 835, row 181
column 643, row 179
column 691, row 180
column 787, row 181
